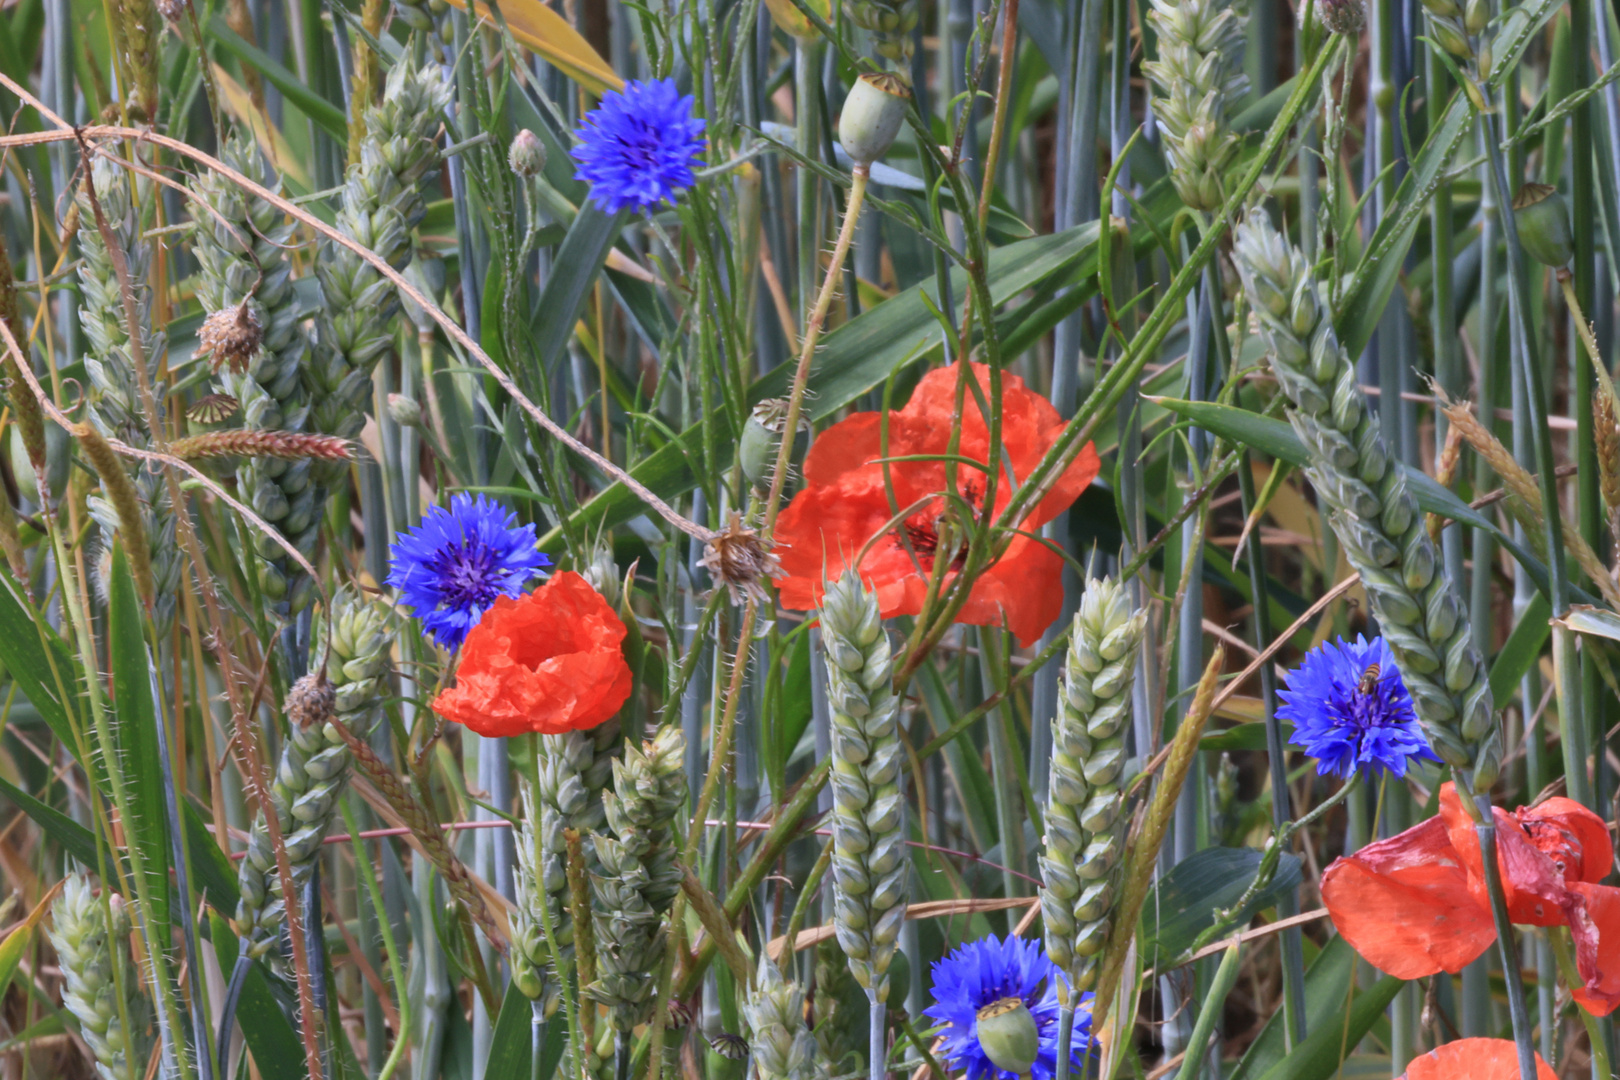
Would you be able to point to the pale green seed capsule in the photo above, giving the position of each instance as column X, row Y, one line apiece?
column 873, row 113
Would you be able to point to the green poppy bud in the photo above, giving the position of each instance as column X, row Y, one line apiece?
column 1543, row 222
column 527, row 156
column 873, row 113
column 1007, row 1032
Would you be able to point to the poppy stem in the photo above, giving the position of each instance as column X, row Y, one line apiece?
column 1512, row 976
column 812, row 333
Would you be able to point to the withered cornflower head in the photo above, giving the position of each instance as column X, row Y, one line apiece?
column 310, row 700
column 740, row 560
column 230, row 336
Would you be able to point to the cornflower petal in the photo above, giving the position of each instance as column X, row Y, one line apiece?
column 450, row 568
column 637, row 148
column 1351, row 711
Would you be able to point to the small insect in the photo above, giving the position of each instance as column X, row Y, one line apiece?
column 727, row 1045
column 1369, row 680
column 213, row 408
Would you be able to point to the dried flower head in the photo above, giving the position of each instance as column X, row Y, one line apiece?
column 230, row 336
column 1342, row 16
column 311, row 700
column 173, row 11
column 740, row 561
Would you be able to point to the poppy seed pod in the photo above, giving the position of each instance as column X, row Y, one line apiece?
column 527, row 155
column 1543, row 222
column 873, row 112
column 761, row 441
column 1008, row 1035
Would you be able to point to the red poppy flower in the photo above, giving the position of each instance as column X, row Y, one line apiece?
column 1415, row 904
column 844, row 504
column 549, row 661
column 1474, row 1059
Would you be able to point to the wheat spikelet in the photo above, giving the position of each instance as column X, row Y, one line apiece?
column 1198, row 76
column 870, row 867
column 1368, row 505
column 89, row 951
column 782, row 1046
column 1085, row 805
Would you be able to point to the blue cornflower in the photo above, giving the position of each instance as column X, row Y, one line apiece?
column 1350, row 717
column 450, row 568
column 986, row 977
column 638, row 147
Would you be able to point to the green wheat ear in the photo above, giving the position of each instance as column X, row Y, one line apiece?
column 574, row 770
column 115, row 406
column 781, row 1043
column 241, row 244
column 95, row 965
column 1369, row 506
column 1084, row 809
column 1199, row 78
column 315, row 761
column 870, row 866
column 638, row 877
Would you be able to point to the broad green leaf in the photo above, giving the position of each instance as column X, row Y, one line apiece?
column 76, row 840
column 1250, row 736
column 510, row 1050
column 1276, row 438
column 274, row 1045
column 852, row 359
column 1368, row 293
column 1583, row 619
column 212, row 873
column 1326, row 981
column 1319, row 1056
column 135, row 730
column 327, row 116
column 1522, row 648
column 41, row 665
column 1183, row 902
column 16, row 942
column 574, row 271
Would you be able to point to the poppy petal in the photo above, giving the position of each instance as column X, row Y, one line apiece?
column 1532, row 883
column 550, row 661
column 1474, row 1059
column 1597, row 947
column 1404, row 904
column 1570, row 833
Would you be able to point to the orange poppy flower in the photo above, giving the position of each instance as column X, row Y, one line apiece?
column 549, row 661
column 844, row 504
column 1415, row 904
column 1474, row 1059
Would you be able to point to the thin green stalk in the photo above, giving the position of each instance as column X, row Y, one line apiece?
column 402, row 1002
column 806, row 70
column 1168, row 311
column 1292, row 947
column 1219, row 987
column 812, row 333
column 1486, row 831
column 877, row 1045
